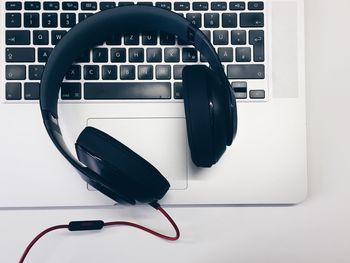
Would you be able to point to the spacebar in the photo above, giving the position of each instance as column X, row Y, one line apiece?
column 127, row 90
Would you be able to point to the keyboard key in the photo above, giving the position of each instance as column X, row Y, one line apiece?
column 31, row 20
column 246, row 71
column 256, row 38
column 125, row 3
column 20, row 54
column 13, row 5
column 145, row 3
column 84, row 57
column 256, row 5
column 163, row 72
column 165, row 5
column 31, row 91
column 238, row 37
column 43, row 54
column 207, row 33
column 220, row 37
column 178, row 94
column 181, row 6
column 195, row 19
column 199, row 6
column 32, row 5
column 118, row 55
column 35, row 72
column 13, row 91
column 83, row 16
column 252, row 19
column 136, row 55
column 16, row 37
column 240, row 89
column 109, row 72
column 51, row 5
column 237, row 6
column 49, row 20
column 74, row 73
column 68, row 19
column 114, row 39
column 203, row 59
column 91, row 72
column 149, row 38
column 131, row 39
column 71, row 91
column 13, row 20
column 178, row 71
column 107, row 5
column 225, row 54
column 229, row 20
column 182, row 42
column 15, row 72
column 145, row 72
column 172, row 54
column 218, row 6
column 127, row 90
column 57, row 35
column 189, row 55
column 40, row 37
column 127, row 72
column 88, row 5
column 100, row 55
column 167, row 39
column 154, row 55
column 243, row 54
column 211, row 20
column 257, row 94
column 70, row 6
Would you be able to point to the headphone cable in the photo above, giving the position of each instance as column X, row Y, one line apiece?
column 98, row 224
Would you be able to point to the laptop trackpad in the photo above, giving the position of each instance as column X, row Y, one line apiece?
column 161, row 141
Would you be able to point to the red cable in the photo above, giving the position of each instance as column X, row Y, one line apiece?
column 31, row 244
column 157, row 234
column 113, row 223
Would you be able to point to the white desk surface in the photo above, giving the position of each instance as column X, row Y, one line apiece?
column 316, row 231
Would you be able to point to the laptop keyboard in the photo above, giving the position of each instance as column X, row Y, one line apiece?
column 133, row 66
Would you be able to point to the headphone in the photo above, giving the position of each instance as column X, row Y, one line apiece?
column 104, row 162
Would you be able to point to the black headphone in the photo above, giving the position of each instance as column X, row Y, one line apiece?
column 107, row 164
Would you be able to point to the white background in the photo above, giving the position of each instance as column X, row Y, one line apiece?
column 316, row 231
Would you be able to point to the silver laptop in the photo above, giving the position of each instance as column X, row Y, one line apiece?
column 261, row 45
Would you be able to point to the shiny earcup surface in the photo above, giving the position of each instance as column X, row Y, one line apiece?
column 129, row 176
column 205, row 108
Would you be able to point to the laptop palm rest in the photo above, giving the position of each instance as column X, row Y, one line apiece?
column 161, row 141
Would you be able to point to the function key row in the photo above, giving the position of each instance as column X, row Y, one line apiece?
column 178, row 6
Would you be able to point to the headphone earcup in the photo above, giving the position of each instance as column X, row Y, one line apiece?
column 205, row 109
column 129, row 175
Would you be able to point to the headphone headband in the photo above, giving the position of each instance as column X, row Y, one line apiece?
column 85, row 35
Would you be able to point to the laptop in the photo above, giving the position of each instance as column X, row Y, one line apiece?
column 261, row 45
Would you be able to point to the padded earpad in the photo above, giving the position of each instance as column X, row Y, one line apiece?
column 205, row 108
column 126, row 173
